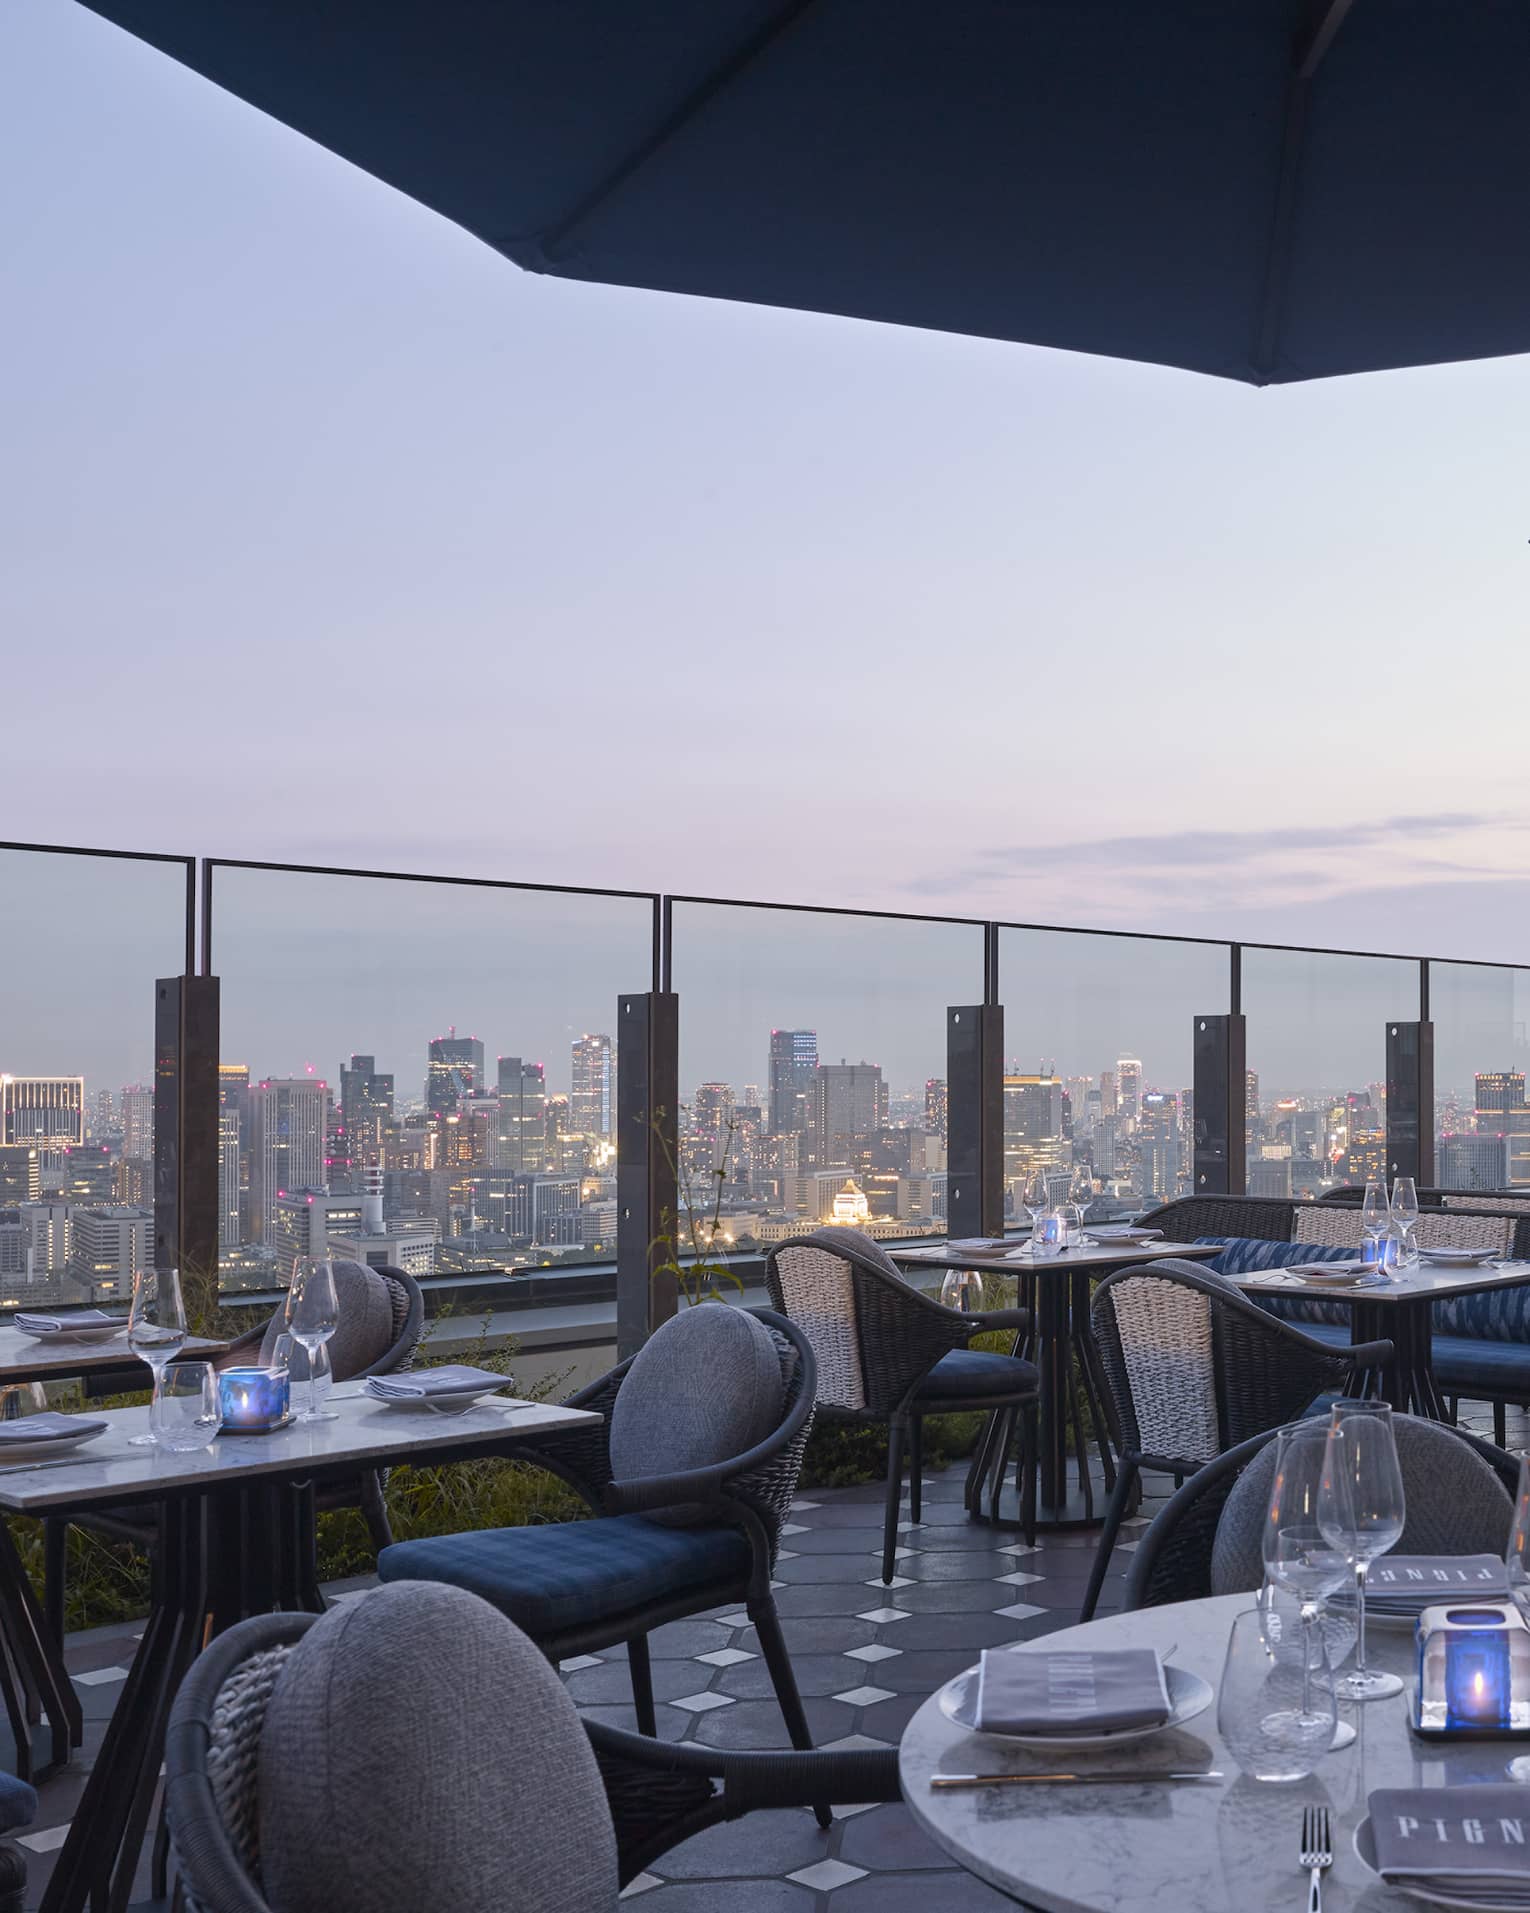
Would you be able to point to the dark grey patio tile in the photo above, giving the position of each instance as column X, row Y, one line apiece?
column 832, row 1597
column 887, row 1719
column 824, row 1634
column 764, row 1843
column 958, row 1597
column 918, row 1671
column 739, row 1896
column 887, row 1840
column 671, row 1722
column 956, row 1564
column 611, row 1683
column 951, row 1891
column 817, row 1675
column 758, row 1723
column 952, row 1630
column 682, row 1639
column 818, row 1569
column 853, row 1540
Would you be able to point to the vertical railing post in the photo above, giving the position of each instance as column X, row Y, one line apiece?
column 186, row 1138
column 1219, row 1158
column 975, row 1106
column 1410, row 1092
column 648, row 1233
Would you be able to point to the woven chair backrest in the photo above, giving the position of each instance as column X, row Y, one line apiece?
column 233, row 1751
column 818, row 1293
column 1518, row 1205
column 1331, row 1226
column 1167, row 1345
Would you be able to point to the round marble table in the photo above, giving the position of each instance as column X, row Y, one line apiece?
column 1177, row 1849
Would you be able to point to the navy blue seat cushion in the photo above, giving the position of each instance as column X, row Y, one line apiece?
column 1495, row 1315
column 971, row 1374
column 18, row 1804
column 1475, row 1365
column 1247, row 1255
column 574, row 1573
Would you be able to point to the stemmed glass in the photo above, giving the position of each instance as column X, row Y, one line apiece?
column 156, row 1332
column 1361, row 1510
column 1081, row 1197
column 1375, row 1219
column 1517, row 1561
column 312, row 1316
column 1405, row 1220
column 1298, row 1556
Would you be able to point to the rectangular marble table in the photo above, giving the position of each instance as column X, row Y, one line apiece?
column 25, row 1359
column 236, row 1537
column 1398, row 1309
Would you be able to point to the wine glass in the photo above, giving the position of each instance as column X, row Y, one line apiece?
column 1361, row 1509
column 1082, row 1198
column 1298, row 1556
column 1517, row 1560
column 1405, row 1220
column 156, row 1331
column 1375, row 1218
column 187, row 1413
column 312, row 1316
column 1277, row 1724
column 962, row 1289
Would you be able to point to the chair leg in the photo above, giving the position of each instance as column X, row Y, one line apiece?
column 894, row 1493
column 1007, row 1428
column 1500, row 1424
column 641, row 1670
column 1030, row 1445
column 916, row 1464
column 55, row 1576
column 767, row 1625
column 374, row 1510
column 1115, row 1514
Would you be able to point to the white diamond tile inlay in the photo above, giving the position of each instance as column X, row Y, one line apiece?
column 876, row 1652
column 49, row 1840
column 1021, row 1611
column 702, row 1703
column 1017, row 1580
column 853, row 1744
column 734, row 1620
column 864, row 1696
column 101, row 1677
column 1019, row 1547
column 727, row 1657
column 825, row 1875
column 898, row 1581
column 579, row 1661
column 795, row 1527
column 641, row 1883
column 885, row 1616
column 802, row 1507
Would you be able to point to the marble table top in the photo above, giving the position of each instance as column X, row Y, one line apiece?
column 25, row 1359
column 1431, row 1281
column 1163, row 1849
column 1095, row 1255
column 365, row 1431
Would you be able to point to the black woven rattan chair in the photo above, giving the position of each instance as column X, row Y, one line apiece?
column 657, row 1794
column 1192, row 1369
column 363, row 1490
column 570, row 1585
column 887, row 1353
column 1173, row 1560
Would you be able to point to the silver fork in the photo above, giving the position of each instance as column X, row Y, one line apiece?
column 1317, row 1853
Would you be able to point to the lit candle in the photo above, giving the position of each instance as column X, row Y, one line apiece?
column 1477, row 1678
column 254, row 1400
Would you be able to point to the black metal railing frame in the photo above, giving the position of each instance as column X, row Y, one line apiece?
column 648, row 1142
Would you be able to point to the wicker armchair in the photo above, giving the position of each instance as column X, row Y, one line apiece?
column 1192, row 1369
column 887, row 1353
column 1189, row 1217
column 656, row 1794
column 364, row 1490
column 576, row 1587
column 1173, row 1560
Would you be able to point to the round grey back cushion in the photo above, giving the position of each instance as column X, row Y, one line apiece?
column 1455, row 1505
column 419, row 1752
column 704, row 1387
column 365, row 1332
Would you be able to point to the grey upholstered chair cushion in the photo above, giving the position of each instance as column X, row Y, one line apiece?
column 419, row 1752
column 1456, row 1505
column 705, row 1387
column 839, row 1240
column 365, row 1333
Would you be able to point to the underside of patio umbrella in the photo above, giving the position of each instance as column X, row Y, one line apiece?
column 1267, row 190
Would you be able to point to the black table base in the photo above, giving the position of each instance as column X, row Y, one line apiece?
column 1407, row 1381
column 241, row 1549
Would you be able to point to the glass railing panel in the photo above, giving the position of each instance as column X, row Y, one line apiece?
column 1481, row 1015
column 418, row 1072
column 813, row 1066
column 1099, row 1053
column 86, row 937
column 1317, row 1064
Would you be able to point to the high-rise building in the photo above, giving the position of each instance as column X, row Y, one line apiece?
column 1270, row 1176
column 1129, row 1090
column 49, row 1230
column 1473, row 1162
column 1109, row 1093
column 849, row 1101
column 1252, row 1121
column 1500, row 1092
column 366, row 1111
column 88, row 1173
column 138, row 1121
column 937, row 1108
column 48, row 1111
column 305, row 1217
column 289, row 1117
column 228, row 1178
column 793, row 1060
column 555, row 1211
column 455, row 1070
column 20, row 1174
column 522, row 1149
column 710, row 1141
column 592, row 1086
column 108, row 1247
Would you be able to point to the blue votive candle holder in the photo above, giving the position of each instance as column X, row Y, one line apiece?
column 254, row 1400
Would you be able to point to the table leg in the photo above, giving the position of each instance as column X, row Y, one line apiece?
column 1054, row 1359
column 37, row 1658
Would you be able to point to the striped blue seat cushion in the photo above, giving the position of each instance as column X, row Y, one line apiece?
column 1248, row 1255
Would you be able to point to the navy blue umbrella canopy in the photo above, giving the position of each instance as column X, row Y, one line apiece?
column 1267, row 190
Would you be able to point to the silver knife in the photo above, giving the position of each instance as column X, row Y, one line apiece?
column 1123, row 1777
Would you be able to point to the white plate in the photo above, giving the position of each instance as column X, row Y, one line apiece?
column 76, row 1337
column 1189, row 1695
column 1365, row 1853
column 454, row 1399
column 12, row 1450
column 1457, row 1258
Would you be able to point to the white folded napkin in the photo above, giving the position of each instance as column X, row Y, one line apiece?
column 453, row 1378
column 1471, row 1842
column 73, row 1318
column 1077, row 1692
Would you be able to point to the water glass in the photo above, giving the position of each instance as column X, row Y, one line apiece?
column 187, row 1411
column 1361, row 1509
column 1298, row 1556
column 312, row 1316
column 1375, row 1220
column 1276, row 1720
column 1517, row 1559
column 1405, row 1221
column 963, row 1289
column 156, row 1330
